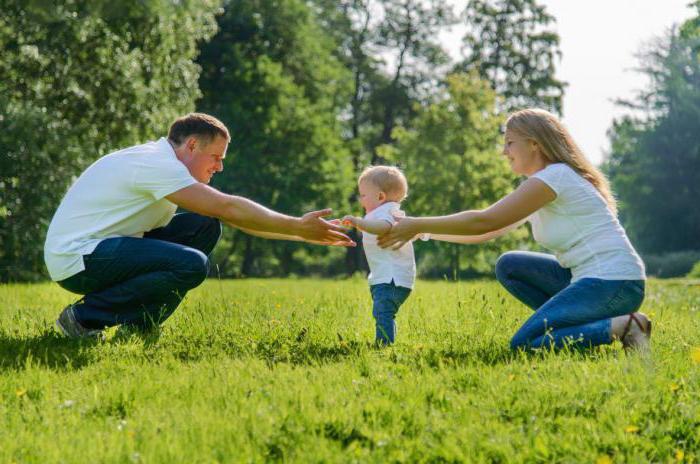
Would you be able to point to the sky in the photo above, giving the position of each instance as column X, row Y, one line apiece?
column 599, row 40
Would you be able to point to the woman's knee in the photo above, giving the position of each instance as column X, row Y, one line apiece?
column 518, row 343
column 505, row 265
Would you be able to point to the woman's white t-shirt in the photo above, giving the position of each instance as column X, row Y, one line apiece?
column 584, row 234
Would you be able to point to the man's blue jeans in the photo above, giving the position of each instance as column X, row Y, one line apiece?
column 140, row 281
column 386, row 301
column 578, row 313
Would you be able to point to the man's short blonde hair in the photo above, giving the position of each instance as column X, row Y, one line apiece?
column 388, row 179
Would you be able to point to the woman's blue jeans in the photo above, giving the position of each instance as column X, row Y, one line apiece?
column 577, row 313
column 140, row 281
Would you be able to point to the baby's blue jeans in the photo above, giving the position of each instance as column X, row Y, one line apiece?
column 386, row 300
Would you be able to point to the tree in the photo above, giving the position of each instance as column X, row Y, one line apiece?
column 510, row 44
column 77, row 80
column 654, row 162
column 452, row 160
column 391, row 48
column 271, row 76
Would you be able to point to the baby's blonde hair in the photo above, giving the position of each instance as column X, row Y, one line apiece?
column 559, row 147
column 388, row 179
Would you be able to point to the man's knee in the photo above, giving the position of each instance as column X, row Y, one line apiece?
column 212, row 227
column 211, row 233
column 194, row 268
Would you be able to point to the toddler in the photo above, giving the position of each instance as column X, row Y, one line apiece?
column 392, row 272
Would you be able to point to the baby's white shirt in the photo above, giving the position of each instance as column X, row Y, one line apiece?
column 386, row 265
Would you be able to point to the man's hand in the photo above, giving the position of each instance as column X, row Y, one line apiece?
column 402, row 231
column 314, row 229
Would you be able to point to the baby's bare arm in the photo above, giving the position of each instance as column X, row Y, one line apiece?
column 373, row 226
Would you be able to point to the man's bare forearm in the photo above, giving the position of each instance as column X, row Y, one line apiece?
column 246, row 214
column 270, row 235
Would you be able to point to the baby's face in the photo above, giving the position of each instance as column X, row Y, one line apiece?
column 370, row 196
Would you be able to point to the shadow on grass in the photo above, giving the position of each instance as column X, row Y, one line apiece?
column 435, row 357
column 48, row 350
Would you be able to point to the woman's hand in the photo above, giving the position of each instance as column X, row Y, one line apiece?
column 403, row 231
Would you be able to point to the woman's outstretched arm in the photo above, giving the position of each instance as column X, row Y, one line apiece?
column 530, row 196
column 474, row 239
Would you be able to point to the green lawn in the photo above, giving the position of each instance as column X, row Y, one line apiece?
column 281, row 370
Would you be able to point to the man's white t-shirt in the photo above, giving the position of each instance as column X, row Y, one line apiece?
column 119, row 195
column 386, row 265
column 584, row 234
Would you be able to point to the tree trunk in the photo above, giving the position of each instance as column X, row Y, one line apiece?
column 248, row 257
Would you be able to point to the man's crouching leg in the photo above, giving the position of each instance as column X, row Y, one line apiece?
column 135, row 281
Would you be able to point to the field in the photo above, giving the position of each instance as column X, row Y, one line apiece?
column 282, row 370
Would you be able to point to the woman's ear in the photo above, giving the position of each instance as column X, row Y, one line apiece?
column 382, row 196
column 535, row 147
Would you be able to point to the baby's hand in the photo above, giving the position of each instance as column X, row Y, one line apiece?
column 349, row 220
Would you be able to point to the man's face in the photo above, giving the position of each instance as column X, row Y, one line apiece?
column 203, row 161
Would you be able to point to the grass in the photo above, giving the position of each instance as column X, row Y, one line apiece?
column 282, row 370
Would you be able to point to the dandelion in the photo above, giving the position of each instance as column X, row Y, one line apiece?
column 679, row 455
column 674, row 387
column 632, row 429
column 695, row 354
column 605, row 459
column 20, row 392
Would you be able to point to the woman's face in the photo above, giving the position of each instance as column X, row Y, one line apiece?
column 523, row 154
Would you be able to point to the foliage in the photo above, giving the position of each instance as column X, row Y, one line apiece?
column 270, row 75
column 654, row 162
column 452, row 160
column 671, row 264
column 392, row 49
column 282, row 370
column 511, row 44
column 77, row 80
column 695, row 271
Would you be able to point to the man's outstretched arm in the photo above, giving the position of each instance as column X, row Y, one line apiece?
column 253, row 217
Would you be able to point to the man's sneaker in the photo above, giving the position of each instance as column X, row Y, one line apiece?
column 69, row 326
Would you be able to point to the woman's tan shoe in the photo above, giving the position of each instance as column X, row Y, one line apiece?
column 637, row 336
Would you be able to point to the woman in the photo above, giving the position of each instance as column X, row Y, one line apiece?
column 588, row 292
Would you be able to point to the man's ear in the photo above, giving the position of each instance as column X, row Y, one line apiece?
column 191, row 143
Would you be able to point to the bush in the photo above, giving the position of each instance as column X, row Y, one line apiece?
column 674, row 264
column 695, row 271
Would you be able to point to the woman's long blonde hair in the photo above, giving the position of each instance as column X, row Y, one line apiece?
column 558, row 146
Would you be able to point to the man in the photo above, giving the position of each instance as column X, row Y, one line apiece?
column 116, row 240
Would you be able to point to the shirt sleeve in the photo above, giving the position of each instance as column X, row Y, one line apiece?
column 160, row 178
column 386, row 214
column 553, row 176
